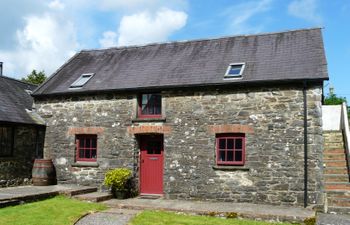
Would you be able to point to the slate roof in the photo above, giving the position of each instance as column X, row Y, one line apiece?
column 284, row 56
column 15, row 101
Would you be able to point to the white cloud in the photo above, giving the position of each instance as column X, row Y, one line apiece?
column 239, row 16
column 109, row 39
column 144, row 27
column 110, row 5
column 56, row 4
column 305, row 9
column 44, row 43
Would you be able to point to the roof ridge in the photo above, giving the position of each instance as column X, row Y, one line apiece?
column 198, row 40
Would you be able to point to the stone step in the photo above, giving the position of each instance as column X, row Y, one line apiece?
column 334, row 156
column 334, row 151
column 335, row 163
column 333, row 145
column 338, row 136
column 336, row 178
column 338, row 194
column 94, row 196
column 335, row 170
column 79, row 191
column 338, row 210
column 333, row 139
column 337, row 186
column 342, row 202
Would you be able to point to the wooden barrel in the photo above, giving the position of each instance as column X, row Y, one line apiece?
column 43, row 172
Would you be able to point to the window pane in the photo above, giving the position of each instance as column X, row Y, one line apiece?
column 93, row 143
column 87, row 154
column 81, row 153
column 88, row 143
column 222, row 156
column 81, row 142
column 229, row 156
column 222, row 143
column 230, row 143
column 238, row 144
column 6, row 139
column 235, row 70
column 93, row 154
column 238, row 156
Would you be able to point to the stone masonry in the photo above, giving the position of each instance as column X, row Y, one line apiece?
column 271, row 118
column 28, row 144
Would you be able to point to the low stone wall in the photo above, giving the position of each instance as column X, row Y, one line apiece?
column 17, row 169
column 271, row 118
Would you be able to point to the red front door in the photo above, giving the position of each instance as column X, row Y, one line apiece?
column 151, row 163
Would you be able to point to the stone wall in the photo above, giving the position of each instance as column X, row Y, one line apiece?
column 28, row 144
column 271, row 118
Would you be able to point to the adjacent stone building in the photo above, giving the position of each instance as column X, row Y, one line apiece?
column 218, row 119
column 21, row 132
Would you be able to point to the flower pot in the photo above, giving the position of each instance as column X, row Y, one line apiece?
column 119, row 194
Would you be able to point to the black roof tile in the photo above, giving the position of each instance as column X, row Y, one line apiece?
column 290, row 55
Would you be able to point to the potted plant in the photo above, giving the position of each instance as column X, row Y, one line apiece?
column 119, row 180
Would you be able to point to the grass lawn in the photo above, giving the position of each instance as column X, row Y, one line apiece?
column 58, row 210
column 170, row 218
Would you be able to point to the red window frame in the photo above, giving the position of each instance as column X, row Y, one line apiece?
column 85, row 147
column 151, row 103
column 230, row 151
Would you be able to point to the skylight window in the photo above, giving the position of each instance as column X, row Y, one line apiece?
column 82, row 80
column 235, row 70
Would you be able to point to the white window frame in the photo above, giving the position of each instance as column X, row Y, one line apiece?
column 227, row 75
column 74, row 84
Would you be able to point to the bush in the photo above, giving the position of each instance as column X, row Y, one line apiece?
column 118, row 178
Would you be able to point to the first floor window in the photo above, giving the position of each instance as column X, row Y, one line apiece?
column 230, row 149
column 6, row 141
column 86, row 147
column 150, row 105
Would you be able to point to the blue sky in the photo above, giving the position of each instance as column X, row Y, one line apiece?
column 43, row 34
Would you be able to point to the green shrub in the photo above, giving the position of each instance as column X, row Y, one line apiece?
column 231, row 215
column 310, row 221
column 118, row 178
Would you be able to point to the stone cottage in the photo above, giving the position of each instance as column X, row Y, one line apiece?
column 21, row 132
column 229, row 119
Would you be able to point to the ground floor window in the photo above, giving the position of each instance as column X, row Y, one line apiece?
column 6, row 141
column 230, row 149
column 86, row 147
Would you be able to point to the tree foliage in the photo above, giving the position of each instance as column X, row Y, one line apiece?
column 35, row 78
column 333, row 99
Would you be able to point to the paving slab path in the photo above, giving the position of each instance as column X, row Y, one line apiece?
column 332, row 219
column 112, row 216
column 20, row 194
column 244, row 210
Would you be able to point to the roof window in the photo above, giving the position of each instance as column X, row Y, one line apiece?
column 235, row 70
column 82, row 80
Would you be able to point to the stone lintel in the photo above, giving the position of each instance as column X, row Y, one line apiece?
column 230, row 128
column 149, row 129
column 85, row 130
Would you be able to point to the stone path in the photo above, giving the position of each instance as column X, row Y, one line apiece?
column 244, row 210
column 21, row 194
column 109, row 217
column 331, row 219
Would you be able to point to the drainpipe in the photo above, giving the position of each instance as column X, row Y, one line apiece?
column 305, row 145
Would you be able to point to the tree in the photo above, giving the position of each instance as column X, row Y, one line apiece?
column 35, row 78
column 333, row 99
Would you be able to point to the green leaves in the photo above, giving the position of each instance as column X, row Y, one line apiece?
column 117, row 178
column 35, row 78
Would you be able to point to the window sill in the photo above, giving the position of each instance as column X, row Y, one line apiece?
column 231, row 168
column 159, row 119
column 85, row 164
